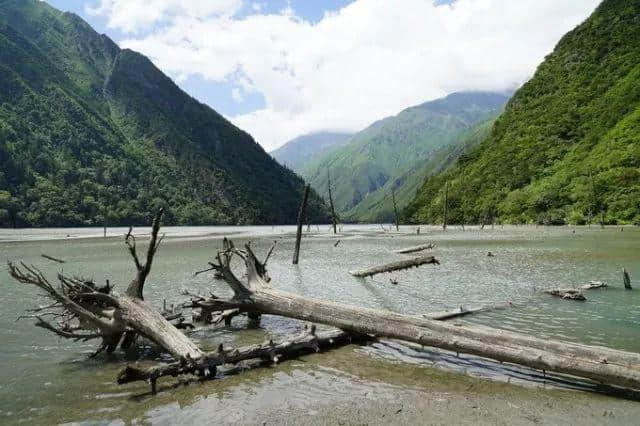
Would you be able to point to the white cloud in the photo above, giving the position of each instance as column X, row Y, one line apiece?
column 135, row 16
column 237, row 95
column 369, row 60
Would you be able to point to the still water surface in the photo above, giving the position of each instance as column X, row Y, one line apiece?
column 46, row 380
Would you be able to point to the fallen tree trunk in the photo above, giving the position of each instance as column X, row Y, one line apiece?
column 415, row 249
column 85, row 311
column 566, row 293
column 461, row 311
column 593, row 285
column 600, row 364
column 206, row 365
column 395, row 266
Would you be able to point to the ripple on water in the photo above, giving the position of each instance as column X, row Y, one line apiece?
column 526, row 260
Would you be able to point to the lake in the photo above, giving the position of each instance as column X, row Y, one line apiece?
column 44, row 379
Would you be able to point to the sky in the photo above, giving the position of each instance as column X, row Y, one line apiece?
column 282, row 68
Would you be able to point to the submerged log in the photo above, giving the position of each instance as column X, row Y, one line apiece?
column 567, row 293
column 462, row 311
column 593, row 285
column 46, row 256
column 395, row 266
column 600, row 364
column 269, row 351
column 85, row 311
column 415, row 249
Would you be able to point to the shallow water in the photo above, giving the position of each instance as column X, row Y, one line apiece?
column 47, row 380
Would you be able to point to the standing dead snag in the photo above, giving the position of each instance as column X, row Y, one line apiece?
column 445, row 205
column 626, row 279
column 333, row 211
column 603, row 365
column 301, row 214
column 84, row 311
column 395, row 209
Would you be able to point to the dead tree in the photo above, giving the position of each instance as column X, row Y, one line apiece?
column 395, row 266
column 626, row 279
column 84, row 311
column 609, row 366
column 444, row 207
column 334, row 220
column 301, row 215
column 395, row 209
column 415, row 249
column 270, row 351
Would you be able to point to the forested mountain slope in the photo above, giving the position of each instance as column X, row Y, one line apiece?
column 567, row 147
column 88, row 130
column 392, row 153
column 299, row 152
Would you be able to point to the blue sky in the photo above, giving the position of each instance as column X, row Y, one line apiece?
column 279, row 68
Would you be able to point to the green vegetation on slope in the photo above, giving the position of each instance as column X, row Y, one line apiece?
column 90, row 132
column 391, row 153
column 567, row 148
column 379, row 205
column 299, row 152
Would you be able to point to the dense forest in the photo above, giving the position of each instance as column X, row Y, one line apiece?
column 392, row 152
column 567, row 147
column 90, row 133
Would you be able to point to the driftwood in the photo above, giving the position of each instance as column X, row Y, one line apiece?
column 84, row 311
column 270, row 351
column 46, row 256
column 415, row 249
column 600, row 364
column 395, row 266
column 462, row 311
column 301, row 214
column 566, row 293
column 593, row 285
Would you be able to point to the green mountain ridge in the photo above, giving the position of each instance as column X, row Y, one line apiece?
column 392, row 152
column 567, row 147
column 299, row 152
column 90, row 132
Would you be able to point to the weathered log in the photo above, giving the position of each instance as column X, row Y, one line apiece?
column 46, row 256
column 462, row 311
column 270, row 351
column 85, row 311
column 593, row 285
column 566, row 293
column 600, row 364
column 395, row 266
column 301, row 214
column 415, row 249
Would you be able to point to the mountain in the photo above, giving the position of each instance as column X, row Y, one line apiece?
column 378, row 207
column 89, row 130
column 391, row 153
column 567, row 147
column 297, row 153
